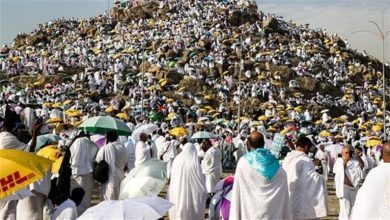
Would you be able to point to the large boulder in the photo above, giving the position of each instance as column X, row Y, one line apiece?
column 307, row 83
column 35, row 39
column 271, row 23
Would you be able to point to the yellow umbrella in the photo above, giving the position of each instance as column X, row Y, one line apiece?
column 46, row 104
column 203, row 110
column 54, row 120
column 285, row 131
column 51, row 152
column 109, row 109
column 373, row 142
column 179, row 131
column 67, row 102
column 271, row 129
column 122, row 115
column 163, row 82
column 216, row 114
column 73, row 113
column 262, row 118
column 57, row 165
column 208, row 97
column 325, row 134
column 57, row 105
column 209, row 108
column 212, row 111
column 289, row 108
column 18, row 169
column 61, row 127
column 171, row 115
column 77, row 123
column 376, row 128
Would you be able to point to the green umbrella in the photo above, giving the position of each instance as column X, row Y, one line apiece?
column 156, row 116
column 171, row 64
column 218, row 121
column 104, row 124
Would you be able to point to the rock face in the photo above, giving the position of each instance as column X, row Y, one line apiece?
column 89, row 31
column 271, row 23
column 139, row 11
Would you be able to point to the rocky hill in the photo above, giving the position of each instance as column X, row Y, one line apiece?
column 197, row 46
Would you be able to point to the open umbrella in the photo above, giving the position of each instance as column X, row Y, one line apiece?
column 147, row 128
column 18, row 169
column 51, row 152
column 203, row 135
column 148, row 179
column 334, row 148
column 372, row 142
column 179, row 131
column 104, row 124
column 220, row 203
column 325, row 134
column 99, row 140
column 45, row 139
column 137, row 208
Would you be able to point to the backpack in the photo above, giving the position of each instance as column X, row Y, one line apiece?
column 100, row 171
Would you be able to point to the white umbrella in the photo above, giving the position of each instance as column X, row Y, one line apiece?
column 147, row 179
column 203, row 135
column 30, row 64
column 137, row 208
column 325, row 111
column 148, row 129
column 334, row 148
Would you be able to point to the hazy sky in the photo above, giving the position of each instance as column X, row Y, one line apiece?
column 341, row 16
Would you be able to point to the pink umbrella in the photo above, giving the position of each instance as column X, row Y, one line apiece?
column 99, row 140
column 220, row 205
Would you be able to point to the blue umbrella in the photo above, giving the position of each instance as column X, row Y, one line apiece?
column 43, row 140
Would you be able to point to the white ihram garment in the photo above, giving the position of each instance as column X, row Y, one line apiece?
column 373, row 199
column 306, row 187
column 255, row 197
column 187, row 190
column 346, row 194
column 212, row 167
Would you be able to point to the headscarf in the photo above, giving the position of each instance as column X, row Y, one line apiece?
column 263, row 161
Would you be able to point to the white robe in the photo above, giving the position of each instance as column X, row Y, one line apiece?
column 142, row 153
column 115, row 154
column 187, row 190
column 9, row 141
column 65, row 211
column 160, row 145
column 346, row 194
column 323, row 157
column 83, row 153
column 373, row 198
column 31, row 207
column 130, row 146
column 307, row 188
column 212, row 167
column 29, row 118
column 255, row 197
column 169, row 153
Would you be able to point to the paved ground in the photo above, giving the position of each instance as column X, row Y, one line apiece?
column 333, row 202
